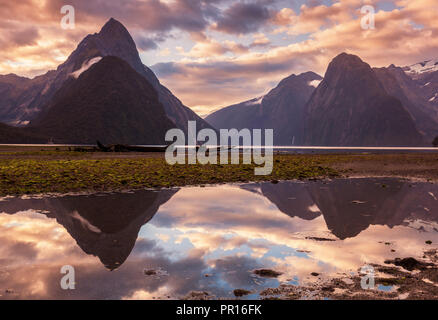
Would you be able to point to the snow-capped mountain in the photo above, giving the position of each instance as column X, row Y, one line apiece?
column 23, row 99
column 425, row 74
column 422, row 67
column 351, row 107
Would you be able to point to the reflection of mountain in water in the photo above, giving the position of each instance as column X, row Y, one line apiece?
column 350, row 206
column 105, row 225
column 291, row 198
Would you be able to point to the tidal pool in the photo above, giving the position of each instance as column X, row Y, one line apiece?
column 171, row 243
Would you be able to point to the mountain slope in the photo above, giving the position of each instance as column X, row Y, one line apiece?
column 112, row 40
column 16, row 96
column 125, row 48
column 429, row 85
column 425, row 74
column 282, row 109
column 109, row 102
column 350, row 107
column 398, row 84
column 421, row 68
column 241, row 115
column 10, row 134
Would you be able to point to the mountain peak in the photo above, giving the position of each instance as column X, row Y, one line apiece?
column 112, row 40
column 113, row 26
column 347, row 59
column 351, row 107
column 109, row 102
column 346, row 69
column 310, row 75
column 296, row 80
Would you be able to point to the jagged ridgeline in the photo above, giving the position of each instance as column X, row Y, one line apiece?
column 80, row 101
column 354, row 105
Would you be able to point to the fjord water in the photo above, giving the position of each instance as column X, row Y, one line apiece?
column 209, row 239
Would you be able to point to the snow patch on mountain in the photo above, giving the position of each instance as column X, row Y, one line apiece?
column 314, row 83
column 422, row 67
column 255, row 101
column 85, row 66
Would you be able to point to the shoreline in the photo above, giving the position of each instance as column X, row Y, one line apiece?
column 59, row 172
column 206, row 185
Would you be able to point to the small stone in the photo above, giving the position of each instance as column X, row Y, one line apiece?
column 329, row 289
column 241, row 292
column 268, row 273
column 150, row 272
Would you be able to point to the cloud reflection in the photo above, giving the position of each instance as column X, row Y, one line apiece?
column 209, row 239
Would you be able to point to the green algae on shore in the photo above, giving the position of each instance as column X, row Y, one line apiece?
column 36, row 175
column 30, row 170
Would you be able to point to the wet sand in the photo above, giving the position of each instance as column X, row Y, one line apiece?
column 391, row 282
column 409, row 165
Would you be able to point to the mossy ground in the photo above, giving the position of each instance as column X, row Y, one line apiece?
column 27, row 173
column 46, row 171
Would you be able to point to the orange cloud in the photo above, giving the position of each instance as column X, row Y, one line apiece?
column 214, row 71
column 402, row 36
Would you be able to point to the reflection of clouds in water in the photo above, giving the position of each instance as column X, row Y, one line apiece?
column 236, row 272
column 225, row 232
column 228, row 230
column 51, row 250
column 47, row 238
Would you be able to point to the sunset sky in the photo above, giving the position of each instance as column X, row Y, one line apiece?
column 212, row 53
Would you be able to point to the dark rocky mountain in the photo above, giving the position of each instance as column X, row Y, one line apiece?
column 241, row 115
column 24, row 101
column 282, row 109
column 398, row 84
column 109, row 102
column 363, row 107
column 350, row 206
column 429, row 85
column 16, row 96
column 351, row 107
column 289, row 197
column 425, row 74
column 10, row 134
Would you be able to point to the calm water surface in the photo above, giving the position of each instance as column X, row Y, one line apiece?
column 209, row 239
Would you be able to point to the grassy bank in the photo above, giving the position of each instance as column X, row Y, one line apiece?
column 36, row 171
column 41, row 174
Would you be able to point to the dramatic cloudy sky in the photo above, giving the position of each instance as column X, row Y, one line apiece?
column 212, row 53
